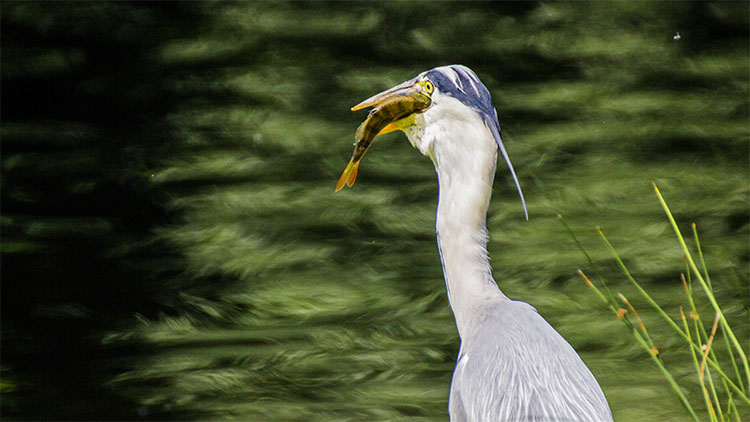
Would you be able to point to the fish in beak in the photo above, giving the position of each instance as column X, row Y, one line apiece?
column 394, row 109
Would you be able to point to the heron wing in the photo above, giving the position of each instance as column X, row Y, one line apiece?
column 515, row 367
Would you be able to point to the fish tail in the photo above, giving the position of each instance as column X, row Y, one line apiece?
column 353, row 175
column 348, row 176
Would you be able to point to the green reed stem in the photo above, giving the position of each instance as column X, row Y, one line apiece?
column 730, row 350
column 700, row 255
column 672, row 382
column 638, row 287
column 695, row 360
column 724, row 324
column 588, row 258
column 711, row 361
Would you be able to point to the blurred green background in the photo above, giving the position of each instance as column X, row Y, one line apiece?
column 172, row 247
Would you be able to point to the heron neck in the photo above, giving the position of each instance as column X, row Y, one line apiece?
column 465, row 175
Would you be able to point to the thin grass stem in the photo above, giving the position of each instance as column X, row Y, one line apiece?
column 731, row 359
column 598, row 292
column 588, row 258
column 700, row 330
column 653, row 303
column 640, row 289
column 733, row 405
column 714, row 395
column 695, row 358
column 709, row 359
column 666, row 373
column 700, row 255
column 703, row 367
column 710, row 350
column 640, row 322
column 725, row 325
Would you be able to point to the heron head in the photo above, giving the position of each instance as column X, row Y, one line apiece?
column 455, row 93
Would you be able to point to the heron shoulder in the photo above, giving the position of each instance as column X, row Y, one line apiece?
column 515, row 367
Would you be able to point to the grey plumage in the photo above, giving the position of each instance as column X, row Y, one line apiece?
column 514, row 366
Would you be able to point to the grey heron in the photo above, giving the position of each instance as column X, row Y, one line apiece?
column 512, row 365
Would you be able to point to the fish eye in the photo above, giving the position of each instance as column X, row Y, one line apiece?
column 428, row 87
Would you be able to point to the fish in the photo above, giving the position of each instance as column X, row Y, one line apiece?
column 392, row 109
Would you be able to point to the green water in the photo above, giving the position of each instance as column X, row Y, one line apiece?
column 172, row 246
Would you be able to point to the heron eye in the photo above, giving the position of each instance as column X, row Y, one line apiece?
column 428, row 87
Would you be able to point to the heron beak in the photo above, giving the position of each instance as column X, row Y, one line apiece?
column 409, row 89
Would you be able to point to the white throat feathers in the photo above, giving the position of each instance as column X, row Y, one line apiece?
column 464, row 153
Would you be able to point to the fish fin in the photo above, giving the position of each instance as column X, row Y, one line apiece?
column 346, row 177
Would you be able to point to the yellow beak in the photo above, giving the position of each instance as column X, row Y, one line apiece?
column 409, row 89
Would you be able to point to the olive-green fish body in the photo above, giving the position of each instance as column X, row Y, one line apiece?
column 385, row 113
column 381, row 116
